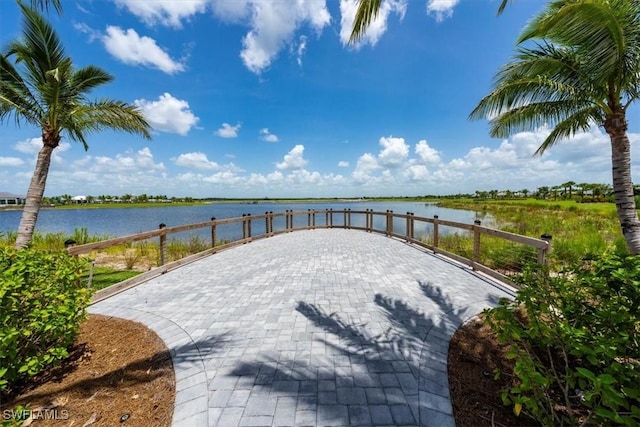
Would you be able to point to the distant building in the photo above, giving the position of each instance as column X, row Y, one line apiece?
column 79, row 199
column 10, row 199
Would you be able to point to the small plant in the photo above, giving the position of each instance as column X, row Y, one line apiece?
column 131, row 258
column 575, row 340
column 42, row 303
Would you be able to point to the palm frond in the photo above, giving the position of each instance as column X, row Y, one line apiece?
column 581, row 120
column 44, row 5
column 503, row 6
column 40, row 50
column 367, row 13
column 15, row 96
column 603, row 31
column 105, row 114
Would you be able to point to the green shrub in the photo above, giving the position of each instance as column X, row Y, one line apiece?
column 42, row 302
column 575, row 341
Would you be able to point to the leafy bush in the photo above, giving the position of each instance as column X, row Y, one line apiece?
column 575, row 341
column 42, row 303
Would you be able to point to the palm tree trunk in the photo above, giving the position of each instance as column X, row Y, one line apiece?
column 616, row 127
column 34, row 197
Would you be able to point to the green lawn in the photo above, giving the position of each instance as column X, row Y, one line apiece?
column 105, row 276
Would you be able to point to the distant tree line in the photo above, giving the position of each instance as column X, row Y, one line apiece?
column 67, row 199
column 570, row 190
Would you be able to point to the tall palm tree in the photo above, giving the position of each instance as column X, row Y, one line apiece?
column 583, row 69
column 40, row 86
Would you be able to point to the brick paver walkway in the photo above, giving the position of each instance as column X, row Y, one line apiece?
column 312, row 328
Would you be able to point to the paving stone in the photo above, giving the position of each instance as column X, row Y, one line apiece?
column 402, row 415
column 380, row 414
column 359, row 415
column 300, row 314
column 351, row 396
column 260, row 405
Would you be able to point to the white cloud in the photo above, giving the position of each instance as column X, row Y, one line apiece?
column 11, row 161
column 377, row 28
column 29, row 146
column 132, row 49
column 273, row 24
column 168, row 114
column 367, row 164
column 302, row 46
column 34, row 145
column 343, row 164
column 426, row 154
column 442, row 9
column 265, row 135
column 195, row 160
column 228, row 131
column 394, row 152
column 167, row 13
column 294, row 159
column 417, row 173
column 224, row 177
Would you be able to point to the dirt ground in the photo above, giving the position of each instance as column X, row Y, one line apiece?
column 474, row 355
column 120, row 373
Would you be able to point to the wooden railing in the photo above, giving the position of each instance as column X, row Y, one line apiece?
column 401, row 226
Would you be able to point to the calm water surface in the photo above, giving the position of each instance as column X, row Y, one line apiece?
column 120, row 222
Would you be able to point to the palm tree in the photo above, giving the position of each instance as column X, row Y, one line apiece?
column 583, row 70
column 542, row 192
column 42, row 88
column 569, row 185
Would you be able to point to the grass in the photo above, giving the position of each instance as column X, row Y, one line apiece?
column 579, row 230
column 107, row 276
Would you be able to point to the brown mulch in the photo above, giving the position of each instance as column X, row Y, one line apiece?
column 119, row 373
column 474, row 356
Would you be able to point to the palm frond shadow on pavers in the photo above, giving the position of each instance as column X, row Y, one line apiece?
column 398, row 377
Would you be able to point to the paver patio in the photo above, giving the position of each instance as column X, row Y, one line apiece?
column 324, row 327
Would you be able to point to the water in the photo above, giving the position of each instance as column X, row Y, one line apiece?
column 120, row 222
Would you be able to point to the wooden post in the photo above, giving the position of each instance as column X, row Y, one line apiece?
column 369, row 216
column 326, row 217
column 435, row 231
column 349, row 218
column 412, row 234
column 313, row 219
column 163, row 245
column 476, row 243
column 542, row 253
column 345, row 218
column 331, row 218
column 244, row 226
column 213, row 232
column 308, row 219
column 249, row 226
column 266, row 224
column 271, row 222
column 408, row 227
column 389, row 222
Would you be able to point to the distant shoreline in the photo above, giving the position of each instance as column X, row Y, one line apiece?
column 220, row 201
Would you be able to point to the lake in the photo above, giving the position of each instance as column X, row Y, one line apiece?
column 116, row 222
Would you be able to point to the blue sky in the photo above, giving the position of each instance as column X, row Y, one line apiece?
column 264, row 98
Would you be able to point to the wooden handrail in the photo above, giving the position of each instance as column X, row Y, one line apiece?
column 331, row 220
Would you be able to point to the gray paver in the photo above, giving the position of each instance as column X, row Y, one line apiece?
column 321, row 327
